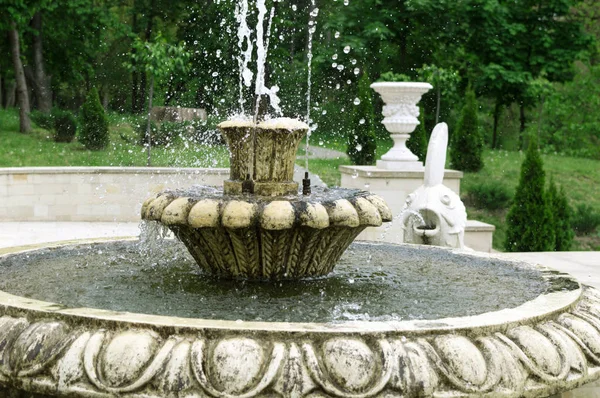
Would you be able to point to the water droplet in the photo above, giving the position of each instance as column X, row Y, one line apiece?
column 362, row 121
column 334, row 56
column 340, row 67
column 355, row 175
column 294, row 7
column 358, row 147
column 337, row 35
column 215, row 74
column 367, row 186
column 324, row 112
column 321, row 142
column 337, row 86
column 346, row 2
column 347, row 49
column 334, row 65
column 348, row 81
column 353, row 61
column 356, row 71
column 351, row 280
column 356, row 101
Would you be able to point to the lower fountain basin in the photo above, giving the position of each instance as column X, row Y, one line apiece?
column 426, row 327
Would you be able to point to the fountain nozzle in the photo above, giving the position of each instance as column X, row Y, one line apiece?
column 248, row 185
column 306, row 185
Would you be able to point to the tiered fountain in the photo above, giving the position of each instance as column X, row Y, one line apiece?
column 266, row 315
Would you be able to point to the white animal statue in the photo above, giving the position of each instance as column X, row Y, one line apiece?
column 434, row 214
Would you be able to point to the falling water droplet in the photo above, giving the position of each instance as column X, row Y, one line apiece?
column 349, row 81
column 321, row 142
column 324, row 112
column 347, row 49
column 337, row 86
column 362, row 121
column 337, row 35
column 356, row 101
column 334, row 65
column 356, row 71
column 294, row 7
column 358, row 147
column 353, row 61
column 340, row 67
column 334, row 56
column 215, row 74
column 346, row 2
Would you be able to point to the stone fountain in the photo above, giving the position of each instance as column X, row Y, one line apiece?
column 133, row 319
column 260, row 226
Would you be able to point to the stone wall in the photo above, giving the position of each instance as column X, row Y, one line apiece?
column 90, row 193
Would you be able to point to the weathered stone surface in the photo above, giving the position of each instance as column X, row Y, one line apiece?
column 549, row 345
column 242, row 236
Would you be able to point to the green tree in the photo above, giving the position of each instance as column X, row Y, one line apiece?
column 158, row 59
column 362, row 141
column 561, row 216
column 417, row 143
column 466, row 150
column 529, row 220
column 94, row 124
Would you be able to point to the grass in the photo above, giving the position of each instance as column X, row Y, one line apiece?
column 39, row 149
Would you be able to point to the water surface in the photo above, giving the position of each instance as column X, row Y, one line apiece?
column 371, row 282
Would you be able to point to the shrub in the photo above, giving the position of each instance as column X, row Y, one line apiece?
column 65, row 125
column 163, row 134
column 362, row 141
column 529, row 220
column 466, row 149
column 585, row 220
column 94, row 124
column 417, row 143
column 561, row 215
column 206, row 131
column 489, row 195
column 44, row 120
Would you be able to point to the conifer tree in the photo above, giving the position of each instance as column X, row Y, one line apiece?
column 94, row 129
column 529, row 220
column 466, row 149
column 561, row 214
column 362, row 141
column 417, row 143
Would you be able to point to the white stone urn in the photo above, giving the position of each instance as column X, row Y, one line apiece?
column 401, row 118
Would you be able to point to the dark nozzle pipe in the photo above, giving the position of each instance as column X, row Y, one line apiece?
column 306, row 185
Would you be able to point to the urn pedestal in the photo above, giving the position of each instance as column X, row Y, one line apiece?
column 401, row 118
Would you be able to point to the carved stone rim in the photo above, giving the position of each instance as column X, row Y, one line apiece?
column 409, row 86
column 547, row 304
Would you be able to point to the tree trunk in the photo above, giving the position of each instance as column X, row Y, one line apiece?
column 22, row 96
column 148, row 132
column 42, row 88
column 522, row 125
column 497, row 114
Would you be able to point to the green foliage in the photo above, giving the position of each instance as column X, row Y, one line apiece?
column 570, row 118
column 94, row 124
column 585, row 220
column 529, row 220
column 393, row 77
column 65, row 125
column 561, row 215
column 362, row 142
column 417, row 143
column 466, row 149
column 206, row 131
column 489, row 195
column 164, row 134
column 44, row 120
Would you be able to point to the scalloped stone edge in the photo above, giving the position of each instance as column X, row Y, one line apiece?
column 171, row 210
